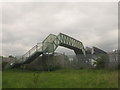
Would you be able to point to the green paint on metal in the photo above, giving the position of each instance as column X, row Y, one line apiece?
column 50, row 44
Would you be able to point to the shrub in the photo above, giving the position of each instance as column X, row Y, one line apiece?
column 4, row 64
column 100, row 64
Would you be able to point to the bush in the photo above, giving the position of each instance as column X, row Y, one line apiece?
column 4, row 64
column 100, row 64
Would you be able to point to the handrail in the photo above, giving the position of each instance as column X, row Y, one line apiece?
column 31, row 51
column 43, row 46
column 50, row 44
column 38, row 47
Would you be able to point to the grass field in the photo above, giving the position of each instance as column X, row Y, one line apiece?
column 65, row 78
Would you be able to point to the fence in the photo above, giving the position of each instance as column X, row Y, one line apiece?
column 47, row 62
column 113, row 60
column 50, row 61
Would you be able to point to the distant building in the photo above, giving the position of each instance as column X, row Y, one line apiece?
column 94, row 53
column 94, row 50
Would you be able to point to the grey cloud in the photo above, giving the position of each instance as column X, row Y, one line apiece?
column 25, row 24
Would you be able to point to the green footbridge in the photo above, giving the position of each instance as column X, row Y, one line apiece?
column 49, row 45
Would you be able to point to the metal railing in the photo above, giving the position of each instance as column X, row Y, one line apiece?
column 40, row 47
column 36, row 48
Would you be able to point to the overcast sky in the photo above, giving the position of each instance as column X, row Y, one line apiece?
column 26, row 24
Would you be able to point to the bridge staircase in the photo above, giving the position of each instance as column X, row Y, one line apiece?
column 49, row 45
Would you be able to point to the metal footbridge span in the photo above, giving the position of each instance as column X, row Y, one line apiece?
column 49, row 45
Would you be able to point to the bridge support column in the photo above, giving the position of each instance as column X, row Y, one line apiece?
column 78, row 52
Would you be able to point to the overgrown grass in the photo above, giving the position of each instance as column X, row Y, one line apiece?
column 65, row 78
